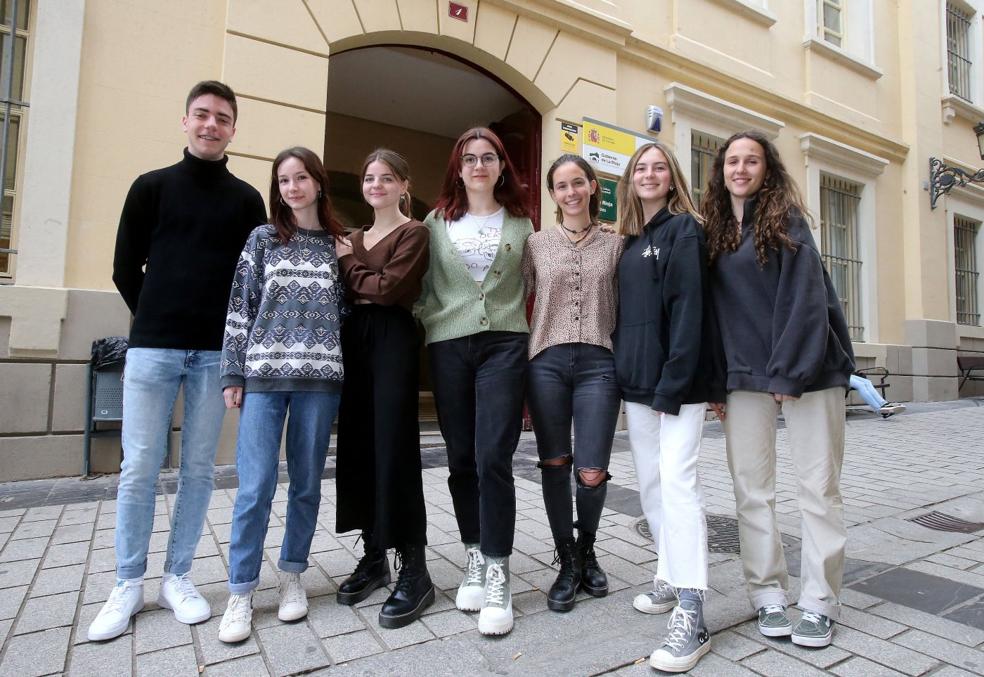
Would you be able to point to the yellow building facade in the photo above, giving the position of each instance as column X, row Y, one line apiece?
column 858, row 95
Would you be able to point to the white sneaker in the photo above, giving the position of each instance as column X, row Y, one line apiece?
column 126, row 599
column 471, row 592
column 497, row 616
column 237, row 620
column 293, row 599
column 179, row 594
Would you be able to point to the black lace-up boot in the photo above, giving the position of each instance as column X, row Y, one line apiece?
column 413, row 591
column 593, row 579
column 370, row 573
column 564, row 590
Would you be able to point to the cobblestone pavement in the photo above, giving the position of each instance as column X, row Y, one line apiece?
column 914, row 596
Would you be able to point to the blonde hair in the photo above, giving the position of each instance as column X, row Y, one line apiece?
column 631, row 220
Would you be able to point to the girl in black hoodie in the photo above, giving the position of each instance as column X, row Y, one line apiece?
column 787, row 348
column 664, row 356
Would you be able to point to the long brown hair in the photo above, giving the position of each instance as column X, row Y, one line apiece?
column 282, row 216
column 400, row 168
column 453, row 200
column 776, row 201
column 594, row 204
column 631, row 220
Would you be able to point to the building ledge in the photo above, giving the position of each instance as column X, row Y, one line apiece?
column 683, row 100
column 954, row 107
column 746, row 9
column 835, row 152
column 835, row 53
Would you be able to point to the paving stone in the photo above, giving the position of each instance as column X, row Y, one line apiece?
column 776, row 664
column 40, row 653
column 42, row 613
column 102, row 560
column 343, row 648
column 40, row 529
column 711, row 665
column 531, row 602
column 886, row 653
column 733, row 646
column 821, row 658
column 451, row 622
column 970, row 614
column 251, row 666
column 949, row 652
column 44, row 513
column 206, row 570
column 941, row 627
column 159, row 629
column 82, row 516
column 72, row 534
column 950, row 671
column 214, row 651
column 98, row 587
column 867, row 623
column 5, row 630
column 110, row 659
column 292, row 648
column 179, row 660
column 54, row 581
column 8, row 523
column 17, row 573
column 862, row 667
column 65, row 554
column 918, row 590
column 415, row 633
column 26, row 549
column 858, row 600
column 10, row 601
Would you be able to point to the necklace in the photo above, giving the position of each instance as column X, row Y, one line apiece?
column 574, row 230
column 584, row 232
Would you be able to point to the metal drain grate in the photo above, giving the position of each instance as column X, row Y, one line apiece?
column 722, row 534
column 939, row 521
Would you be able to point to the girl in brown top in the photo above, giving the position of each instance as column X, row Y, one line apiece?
column 571, row 268
column 380, row 490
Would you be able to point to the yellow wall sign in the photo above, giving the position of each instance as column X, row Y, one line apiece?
column 608, row 148
column 569, row 135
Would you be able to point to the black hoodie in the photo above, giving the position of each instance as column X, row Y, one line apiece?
column 667, row 348
column 782, row 324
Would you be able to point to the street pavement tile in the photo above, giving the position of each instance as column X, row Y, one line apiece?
column 971, row 614
column 947, row 560
column 207, row 547
column 41, row 529
column 941, row 627
column 27, row 549
column 862, row 667
column 336, row 562
column 266, row 605
column 943, row 649
column 627, row 551
column 106, row 659
column 872, row 625
column 10, row 601
column 107, row 539
column 950, row 573
column 102, row 560
column 8, row 523
column 42, row 613
column 66, row 554
column 918, row 590
column 49, row 512
column 883, row 652
column 17, row 573
column 80, row 516
column 54, row 581
column 447, row 576
column 292, row 648
column 628, row 572
column 711, row 665
column 776, row 664
column 821, row 658
column 449, row 622
column 72, row 534
column 251, row 666
column 415, row 633
column 214, row 651
column 98, row 587
column 40, row 653
column 5, row 630
column 159, row 629
column 205, row 570
column 316, row 583
column 179, row 660
column 348, row 647
column 951, row 671
column 531, row 602
column 734, row 646
column 442, row 602
column 858, row 600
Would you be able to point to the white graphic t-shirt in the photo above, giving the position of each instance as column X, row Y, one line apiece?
column 477, row 239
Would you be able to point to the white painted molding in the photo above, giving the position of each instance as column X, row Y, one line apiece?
column 846, row 58
column 954, row 107
column 688, row 102
column 750, row 10
column 837, row 153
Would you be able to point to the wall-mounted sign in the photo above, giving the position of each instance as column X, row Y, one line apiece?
column 608, row 148
column 458, row 11
column 608, row 204
column 570, row 133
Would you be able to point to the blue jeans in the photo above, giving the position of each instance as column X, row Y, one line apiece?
column 261, row 425
column 866, row 389
column 151, row 381
column 573, row 382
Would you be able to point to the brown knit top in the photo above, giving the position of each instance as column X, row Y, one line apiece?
column 391, row 272
column 576, row 288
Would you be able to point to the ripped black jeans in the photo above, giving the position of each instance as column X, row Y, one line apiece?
column 573, row 381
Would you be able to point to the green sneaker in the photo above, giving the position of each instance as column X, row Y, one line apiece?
column 773, row 621
column 813, row 630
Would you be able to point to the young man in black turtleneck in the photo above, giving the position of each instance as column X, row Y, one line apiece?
column 180, row 235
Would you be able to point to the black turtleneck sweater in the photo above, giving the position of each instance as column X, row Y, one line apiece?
column 181, row 232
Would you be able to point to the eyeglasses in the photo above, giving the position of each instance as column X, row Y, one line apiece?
column 488, row 159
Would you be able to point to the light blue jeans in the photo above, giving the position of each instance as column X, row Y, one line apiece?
column 151, row 381
column 868, row 393
column 261, row 425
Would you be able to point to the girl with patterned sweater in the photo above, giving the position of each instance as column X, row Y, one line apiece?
column 282, row 353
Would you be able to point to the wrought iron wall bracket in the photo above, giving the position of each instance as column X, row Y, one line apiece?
column 942, row 178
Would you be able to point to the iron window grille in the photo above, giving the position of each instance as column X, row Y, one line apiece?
column 965, row 269
column 703, row 149
column 840, row 202
column 958, row 51
column 14, row 17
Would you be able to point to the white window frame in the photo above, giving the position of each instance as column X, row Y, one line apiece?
column 966, row 201
column 826, row 156
column 953, row 105
column 691, row 110
column 857, row 48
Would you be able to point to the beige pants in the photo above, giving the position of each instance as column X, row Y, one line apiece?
column 816, row 441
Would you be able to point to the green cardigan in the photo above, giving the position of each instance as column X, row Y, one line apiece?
column 452, row 304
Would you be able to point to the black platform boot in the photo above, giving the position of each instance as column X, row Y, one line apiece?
column 564, row 590
column 370, row 573
column 413, row 591
column 593, row 579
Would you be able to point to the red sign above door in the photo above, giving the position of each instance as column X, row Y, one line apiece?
column 457, row 11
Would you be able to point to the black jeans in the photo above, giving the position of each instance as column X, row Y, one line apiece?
column 478, row 385
column 379, row 485
column 573, row 381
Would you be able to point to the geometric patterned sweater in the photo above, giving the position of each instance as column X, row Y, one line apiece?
column 282, row 327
